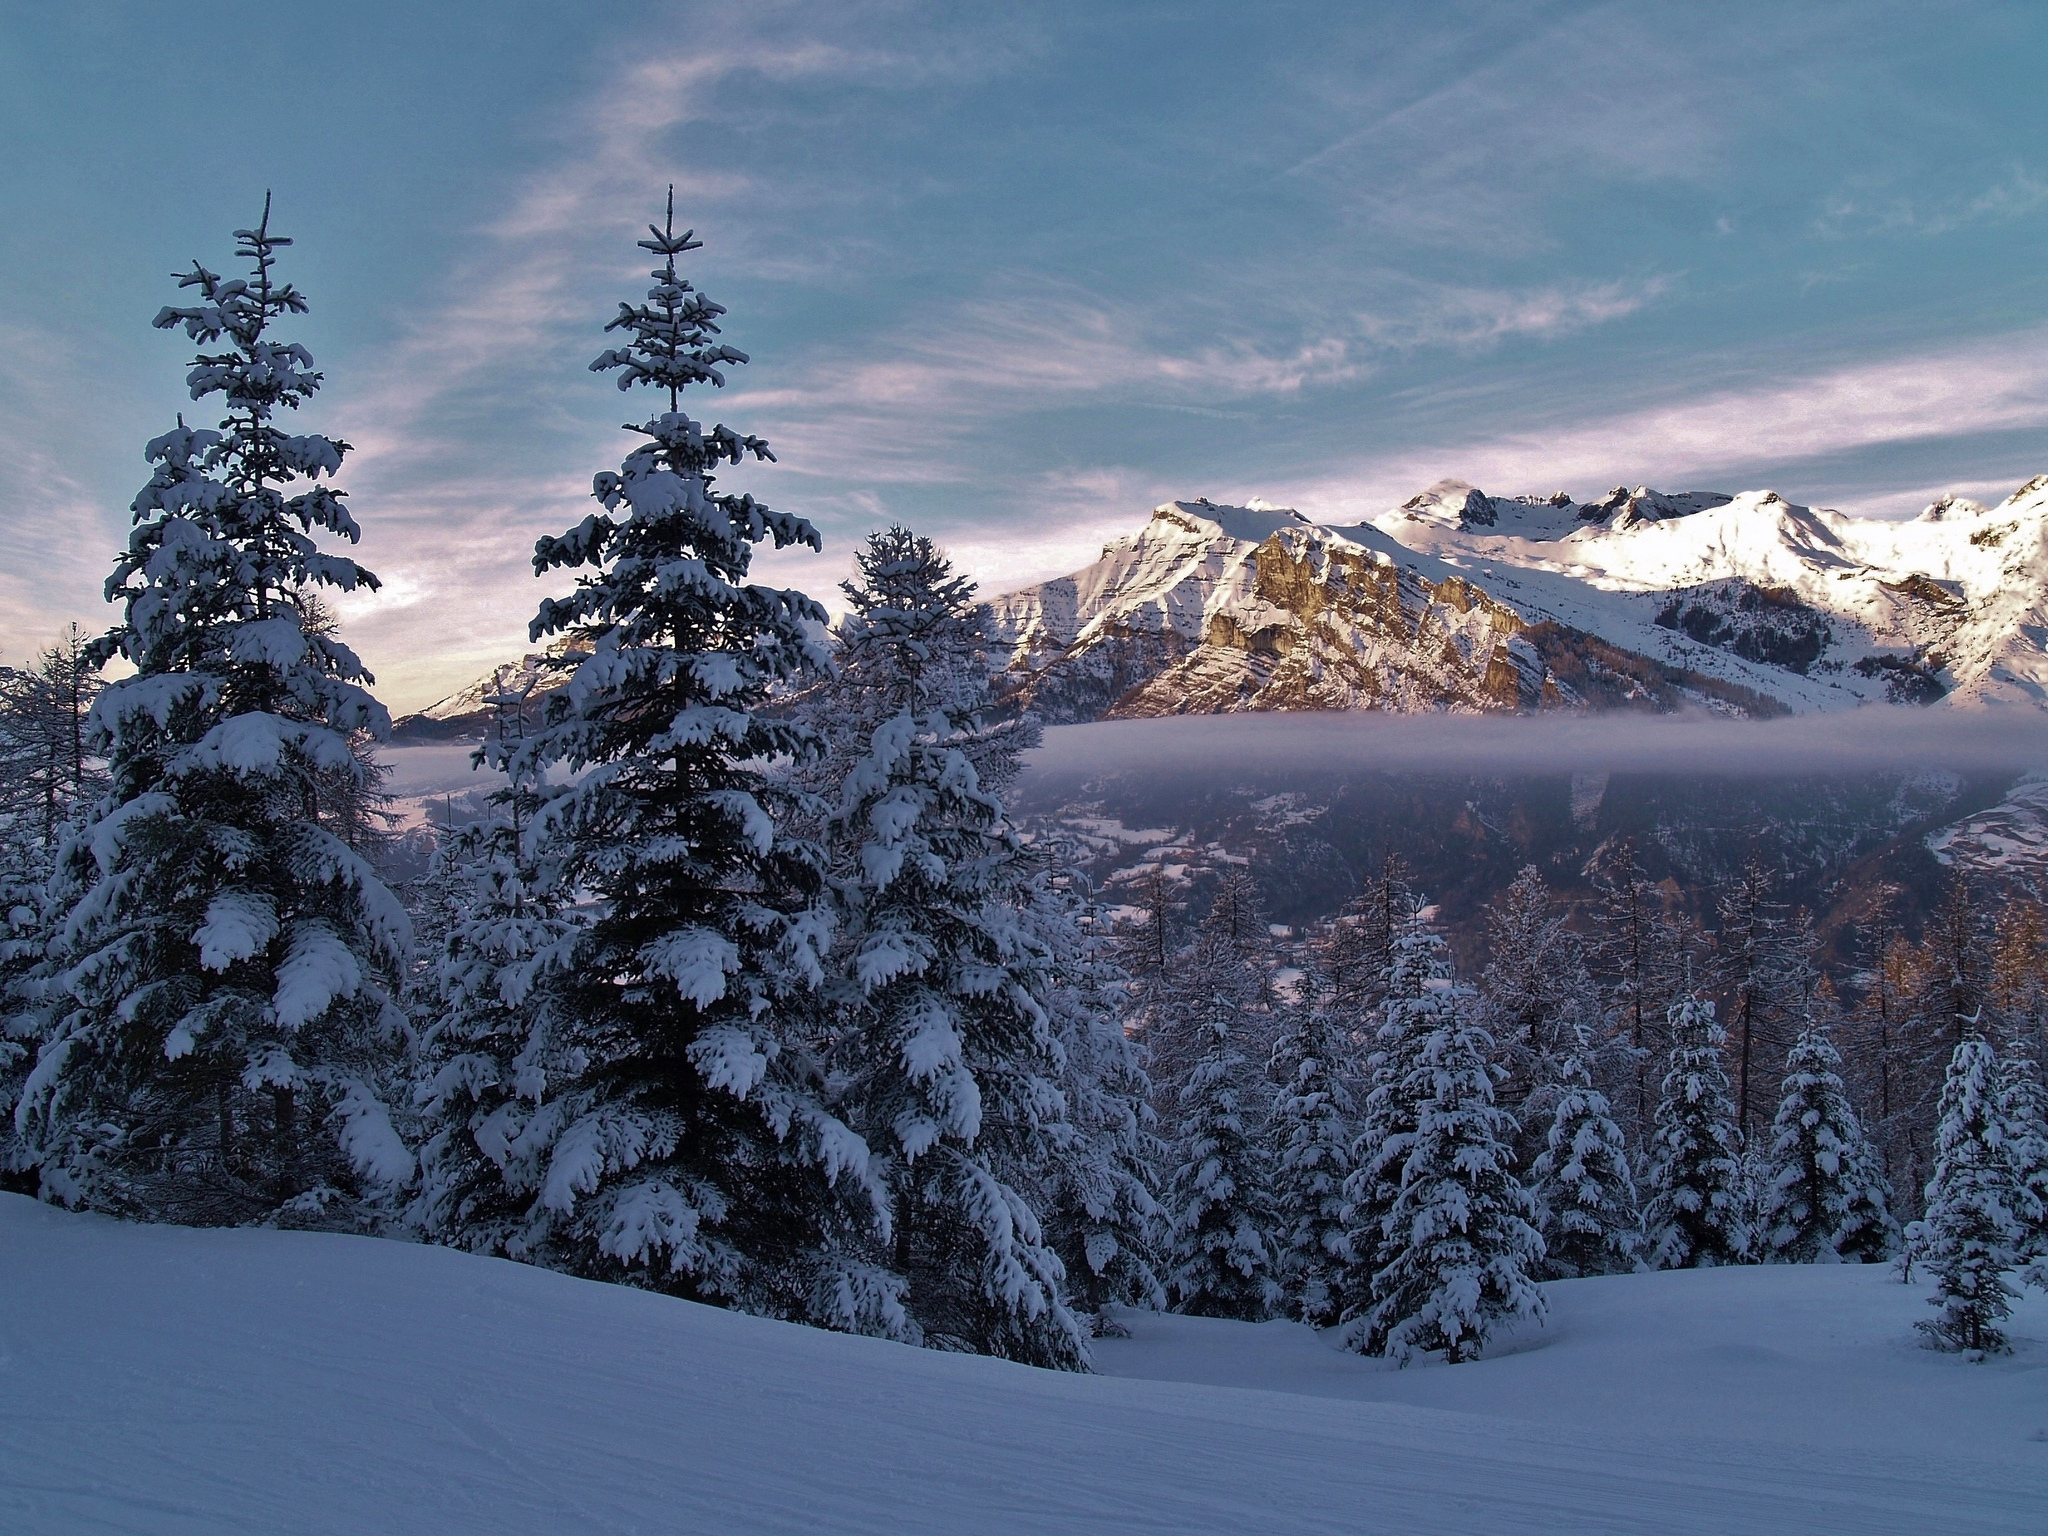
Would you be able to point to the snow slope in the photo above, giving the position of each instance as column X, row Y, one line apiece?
column 163, row 1380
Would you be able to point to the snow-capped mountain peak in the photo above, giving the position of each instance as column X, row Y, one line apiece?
column 1462, row 600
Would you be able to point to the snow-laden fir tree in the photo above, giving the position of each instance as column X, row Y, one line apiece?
column 1461, row 1254
column 1971, row 1234
column 1101, row 1212
column 684, row 1142
column 2023, row 1111
column 492, row 1041
column 217, row 1034
column 1585, row 1193
column 1695, row 1214
column 1308, row 1141
column 1217, row 1202
column 1826, row 1199
column 1416, row 992
column 942, row 976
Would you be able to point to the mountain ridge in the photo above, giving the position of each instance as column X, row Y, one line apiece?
column 1457, row 600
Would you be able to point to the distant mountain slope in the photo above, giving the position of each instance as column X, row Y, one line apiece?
column 1463, row 601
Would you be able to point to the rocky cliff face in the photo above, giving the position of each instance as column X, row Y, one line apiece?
column 1211, row 609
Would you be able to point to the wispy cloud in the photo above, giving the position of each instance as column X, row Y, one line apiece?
column 2017, row 194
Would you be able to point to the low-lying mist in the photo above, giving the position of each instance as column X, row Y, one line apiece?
column 1871, row 739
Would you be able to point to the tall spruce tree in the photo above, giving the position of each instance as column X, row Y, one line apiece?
column 1308, row 1141
column 1417, row 998
column 1695, row 1216
column 1218, row 1202
column 1972, row 1231
column 685, row 1143
column 1461, row 1253
column 1102, row 1214
column 945, row 975
column 1826, row 1199
column 218, row 1034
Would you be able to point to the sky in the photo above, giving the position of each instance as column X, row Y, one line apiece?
column 1013, row 275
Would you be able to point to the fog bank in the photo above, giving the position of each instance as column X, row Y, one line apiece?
column 1871, row 739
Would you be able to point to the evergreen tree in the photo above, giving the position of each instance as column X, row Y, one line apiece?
column 217, row 1034
column 1826, row 1199
column 1102, row 1215
column 1221, row 1217
column 1418, row 995
column 1461, row 1251
column 2023, row 1113
column 1584, row 1191
column 1695, row 1215
column 1309, row 1151
column 1971, row 1234
column 1228, row 965
column 946, row 971
column 685, row 1140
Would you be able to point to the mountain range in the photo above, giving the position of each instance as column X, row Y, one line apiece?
column 1458, row 600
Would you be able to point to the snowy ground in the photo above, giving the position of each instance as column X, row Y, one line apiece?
column 165, row 1380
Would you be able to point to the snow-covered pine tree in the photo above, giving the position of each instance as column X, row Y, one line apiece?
column 943, row 972
column 491, row 1042
column 1102, row 1214
column 1308, row 1142
column 1585, row 1193
column 2023, row 1112
column 1695, row 1217
column 1971, row 1234
column 217, row 1037
column 1461, row 1253
column 1825, row 1200
column 1417, row 993
column 1217, row 1202
column 686, row 1144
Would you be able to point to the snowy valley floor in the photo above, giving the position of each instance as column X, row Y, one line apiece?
column 163, row 1380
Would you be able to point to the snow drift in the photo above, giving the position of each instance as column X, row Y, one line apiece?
column 165, row 1380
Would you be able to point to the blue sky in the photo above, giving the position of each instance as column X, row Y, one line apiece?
column 1014, row 274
